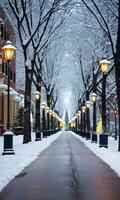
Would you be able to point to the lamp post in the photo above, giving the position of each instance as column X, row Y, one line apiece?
column 77, row 121
column 8, row 54
column 51, row 121
column 88, row 118
column 87, row 111
column 48, row 120
column 37, row 117
column 103, row 142
column 79, row 115
column 43, row 106
column 94, row 135
column 84, row 120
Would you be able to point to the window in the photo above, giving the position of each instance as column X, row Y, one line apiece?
column 6, row 69
column 10, row 74
column 2, row 30
column 3, row 69
column 14, row 77
column 7, row 36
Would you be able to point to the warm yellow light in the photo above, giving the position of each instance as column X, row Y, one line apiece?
column 8, row 51
column 83, row 109
column 79, row 113
column 50, row 112
column 87, row 104
column 104, row 66
column 37, row 95
column 43, row 105
column 73, row 124
column 94, row 97
column 47, row 109
column 54, row 115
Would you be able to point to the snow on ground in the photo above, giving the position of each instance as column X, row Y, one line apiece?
column 11, row 165
column 109, row 155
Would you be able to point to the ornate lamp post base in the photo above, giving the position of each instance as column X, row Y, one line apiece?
column 8, row 143
column 103, row 140
column 38, row 135
column 94, row 138
column 88, row 135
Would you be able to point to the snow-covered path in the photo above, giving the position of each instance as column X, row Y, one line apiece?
column 12, row 165
column 66, row 170
column 110, row 156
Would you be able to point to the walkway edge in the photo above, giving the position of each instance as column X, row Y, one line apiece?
column 103, row 153
column 12, row 165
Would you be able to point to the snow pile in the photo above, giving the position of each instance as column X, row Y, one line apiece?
column 11, row 165
column 110, row 156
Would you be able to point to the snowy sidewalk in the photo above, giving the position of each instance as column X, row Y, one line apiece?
column 110, row 156
column 66, row 170
column 12, row 165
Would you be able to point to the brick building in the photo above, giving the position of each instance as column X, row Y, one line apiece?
column 7, row 33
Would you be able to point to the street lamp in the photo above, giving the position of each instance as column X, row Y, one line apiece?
column 43, row 106
column 37, row 117
column 8, row 54
column 84, row 122
column 37, row 95
column 77, row 121
column 94, row 97
column 104, row 66
column 79, row 115
column 48, row 120
column 83, row 109
column 94, row 135
column 88, row 134
column 104, row 137
column 87, row 104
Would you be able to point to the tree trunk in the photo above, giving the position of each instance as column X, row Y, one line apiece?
column 48, row 101
column 27, row 107
column 117, row 70
column 87, row 113
column 37, row 116
column 94, row 103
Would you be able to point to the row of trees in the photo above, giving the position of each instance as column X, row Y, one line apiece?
column 36, row 22
column 107, row 16
column 39, row 27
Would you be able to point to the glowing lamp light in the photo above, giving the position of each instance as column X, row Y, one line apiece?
column 104, row 66
column 8, row 51
column 54, row 115
column 43, row 105
column 37, row 95
column 83, row 109
column 47, row 109
column 88, row 104
column 94, row 97
column 50, row 112
column 79, row 113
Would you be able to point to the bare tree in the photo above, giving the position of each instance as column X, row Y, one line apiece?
column 33, row 32
column 106, row 27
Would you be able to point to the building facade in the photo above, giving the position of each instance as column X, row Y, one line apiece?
column 7, row 33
